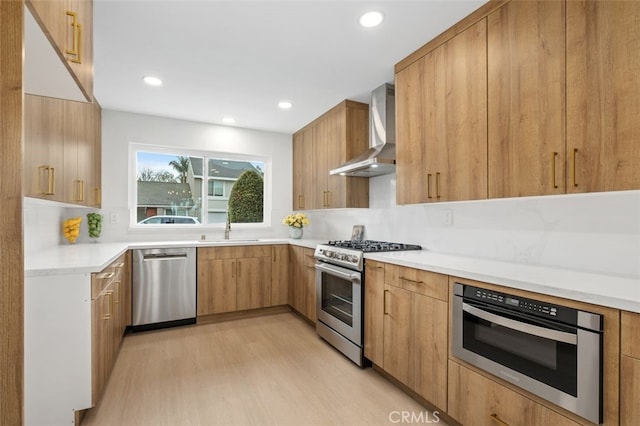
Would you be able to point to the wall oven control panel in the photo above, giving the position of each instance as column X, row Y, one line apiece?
column 522, row 304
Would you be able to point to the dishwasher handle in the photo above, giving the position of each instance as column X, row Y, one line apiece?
column 163, row 256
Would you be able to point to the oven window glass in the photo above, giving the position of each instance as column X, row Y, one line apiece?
column 337, row 298
column 546, row 360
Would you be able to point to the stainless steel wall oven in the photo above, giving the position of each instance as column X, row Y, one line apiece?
column 552, row 351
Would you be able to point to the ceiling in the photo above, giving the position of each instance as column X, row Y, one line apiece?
column 240, row 58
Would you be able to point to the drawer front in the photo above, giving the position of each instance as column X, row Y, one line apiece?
column 101, row 280
column 630, row 323
column 237, row 252
column 418, row 281
column 475, row 400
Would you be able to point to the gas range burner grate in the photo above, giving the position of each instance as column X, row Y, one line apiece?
column 369, row 246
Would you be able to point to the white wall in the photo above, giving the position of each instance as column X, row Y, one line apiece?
column 589, row 232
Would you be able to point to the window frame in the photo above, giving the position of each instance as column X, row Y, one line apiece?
column 134, row 148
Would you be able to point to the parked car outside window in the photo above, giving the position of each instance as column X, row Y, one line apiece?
column 170, row 219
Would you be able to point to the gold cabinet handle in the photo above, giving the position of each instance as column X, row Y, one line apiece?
column 374, row 267
column 79, row 190
column 438, row 185
column 98, row 193
column 496, row 419
column 301, row 201
column 75, row 54
column 410, row 280
column 325, row 198
column 108, row 315
column 117, row 284
column 51, row 180
column 239, row 268
column 105, row 275
column 575, row 152
column 553, row 169
column 429, row 185
column 233, row 269
column 119, row 265
column 384, row 301
column 328, row 198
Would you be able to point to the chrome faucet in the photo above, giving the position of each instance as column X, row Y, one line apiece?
column 227, row 228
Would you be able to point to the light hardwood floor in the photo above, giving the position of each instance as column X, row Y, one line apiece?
column 269, row 370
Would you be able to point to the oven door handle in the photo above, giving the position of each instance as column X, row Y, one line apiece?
column 547, row 333
column 339, row 272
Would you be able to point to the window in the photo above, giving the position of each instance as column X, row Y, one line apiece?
column 216, row 188
column 170, row 188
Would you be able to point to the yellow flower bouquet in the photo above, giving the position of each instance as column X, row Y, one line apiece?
column 297, row 220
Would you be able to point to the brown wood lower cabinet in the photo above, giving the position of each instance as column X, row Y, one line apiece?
column 280, row 275
column 406, row 328
column 234, row 278
column 630, row 369
column 475, row 400
column 374, row 312
column 110, row 302
column 302, row 286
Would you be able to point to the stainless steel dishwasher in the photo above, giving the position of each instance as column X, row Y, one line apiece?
column 164, row 287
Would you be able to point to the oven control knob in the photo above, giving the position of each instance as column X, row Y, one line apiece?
column 342, row 256
column 353, row 259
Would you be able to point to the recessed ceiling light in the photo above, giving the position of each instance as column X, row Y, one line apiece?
column 285, row 105
column 152, row 81
column 371, row 19
column 229, row 120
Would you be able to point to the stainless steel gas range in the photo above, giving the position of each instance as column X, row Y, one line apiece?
column 340, row 285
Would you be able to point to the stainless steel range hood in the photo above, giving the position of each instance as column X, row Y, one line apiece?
column 380, row 158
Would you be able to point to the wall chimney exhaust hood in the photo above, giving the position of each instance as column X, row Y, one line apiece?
column 380, row 158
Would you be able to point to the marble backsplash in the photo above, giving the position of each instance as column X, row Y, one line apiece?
column 597, row 232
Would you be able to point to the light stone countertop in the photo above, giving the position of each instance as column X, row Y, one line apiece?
column 606, row 290
column 94, row 257
column 598, row 289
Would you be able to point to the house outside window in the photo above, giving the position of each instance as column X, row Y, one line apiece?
column 172, row 186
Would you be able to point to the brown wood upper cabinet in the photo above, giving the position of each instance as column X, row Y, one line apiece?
column 62, row 150
column 334, row 138
column 69, row 26
column 603, row 95
column 441, row 133
column 526, row 123
column 561, row 108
